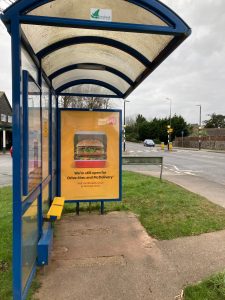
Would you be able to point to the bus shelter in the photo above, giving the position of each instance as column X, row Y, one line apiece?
column 88, row 48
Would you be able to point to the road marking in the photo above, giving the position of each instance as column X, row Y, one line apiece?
column 207, row 156
column 178, row 171
column 190, row 173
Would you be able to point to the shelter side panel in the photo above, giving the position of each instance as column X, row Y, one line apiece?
column 90, row 155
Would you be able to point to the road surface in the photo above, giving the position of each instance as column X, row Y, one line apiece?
column 5, row 169
column 207, row 165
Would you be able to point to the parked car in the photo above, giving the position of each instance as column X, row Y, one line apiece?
column 149, row 143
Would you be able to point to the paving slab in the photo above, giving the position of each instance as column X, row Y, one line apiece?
column 5, row 169
column 113, row 257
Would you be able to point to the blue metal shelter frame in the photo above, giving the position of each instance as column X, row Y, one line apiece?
column 120, row 153
column 30, row 209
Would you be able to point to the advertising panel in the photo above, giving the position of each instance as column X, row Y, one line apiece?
column 90, row 155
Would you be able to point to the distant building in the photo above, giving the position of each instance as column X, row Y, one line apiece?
column 5, row 123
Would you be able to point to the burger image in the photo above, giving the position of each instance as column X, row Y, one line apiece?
column 90, row 149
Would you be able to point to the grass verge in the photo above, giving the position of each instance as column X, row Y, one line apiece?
column 212, row 288
column 166, row 210
column 6, row 243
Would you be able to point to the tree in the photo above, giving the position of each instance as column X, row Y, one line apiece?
column 216, row 121
column 144, row 130
column 140, row 119
column 179, row 124
column 156, row 129
column 84, row 102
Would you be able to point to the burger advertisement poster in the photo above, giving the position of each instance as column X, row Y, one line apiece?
column 90, row 154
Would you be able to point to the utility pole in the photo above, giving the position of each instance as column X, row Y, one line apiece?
column 124, row 124
column 200, row 127
column 182, row 134
column 169, row 127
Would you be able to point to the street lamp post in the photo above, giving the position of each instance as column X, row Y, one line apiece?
column 200, row 126
column 170, row 124
column 124, row 124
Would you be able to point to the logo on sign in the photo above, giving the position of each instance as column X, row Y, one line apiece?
column 99, row 14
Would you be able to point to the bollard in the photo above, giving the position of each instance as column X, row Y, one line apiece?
column 162, row 146
column 170, row 146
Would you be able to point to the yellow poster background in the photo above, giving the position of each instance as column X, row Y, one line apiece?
column 90, row 183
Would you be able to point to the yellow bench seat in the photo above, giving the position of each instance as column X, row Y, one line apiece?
column 55, row 211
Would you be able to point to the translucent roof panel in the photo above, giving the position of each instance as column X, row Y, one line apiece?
column 149, row 45
column 93, row 53
column 89, row 89
column 131, row 39
column 109, row 10
column 100, row 75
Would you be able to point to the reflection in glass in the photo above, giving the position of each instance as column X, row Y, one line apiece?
column 45, row 129
column 29, row 241
column 45, row 200
column 54, row 146
column 34, row 135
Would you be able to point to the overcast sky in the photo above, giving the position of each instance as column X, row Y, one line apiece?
column 193, row 74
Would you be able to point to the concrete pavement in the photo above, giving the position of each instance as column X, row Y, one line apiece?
column 5, row 169
column 112, row 257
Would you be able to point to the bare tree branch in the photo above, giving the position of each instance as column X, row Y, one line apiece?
column 84, row 102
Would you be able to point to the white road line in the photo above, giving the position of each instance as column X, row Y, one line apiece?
column 189, row 173
column 176, row 170
column 207, row 156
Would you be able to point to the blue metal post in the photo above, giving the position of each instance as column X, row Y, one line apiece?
column 17, row 163
column 102, row 207
column 40, row 218
column 50, row 144
column 78, row 208
column 58, row 143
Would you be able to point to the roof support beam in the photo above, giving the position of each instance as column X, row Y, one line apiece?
column 89, row 81
column 154, row 6
column 94, row 40
column 174, row 43
column 112, row 26
column 88, row 95
column 91, row 66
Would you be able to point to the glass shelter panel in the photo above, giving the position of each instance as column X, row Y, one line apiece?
column 29, row 241
column 150, row 45
column 34, row 135
column 28, row 64
column 45, row 199
column 54, row 146
column 107, row 10
column 102, row 75
column 45, row 129
column 93, row 53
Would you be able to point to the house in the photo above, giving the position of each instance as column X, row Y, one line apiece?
column 5, row 123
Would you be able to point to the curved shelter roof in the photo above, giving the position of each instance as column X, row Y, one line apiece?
column 98, row 47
